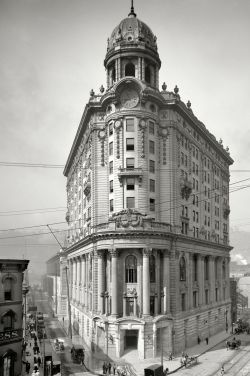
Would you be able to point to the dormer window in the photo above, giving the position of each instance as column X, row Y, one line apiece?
column 130, row 70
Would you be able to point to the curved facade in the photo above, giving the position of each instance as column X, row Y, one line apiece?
column 148, row 210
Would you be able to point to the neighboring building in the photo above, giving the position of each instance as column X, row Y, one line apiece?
column 239, row 270
column 11, row 316
column 55, row 284
column 148, row 210
column 239, row 302
column 244, row 288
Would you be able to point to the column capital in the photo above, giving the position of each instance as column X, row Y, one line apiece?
column 146, row 252
column 113, row 252
column 99, row 254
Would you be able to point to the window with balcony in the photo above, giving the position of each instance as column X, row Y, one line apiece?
column 130, row 163
column 151, row 185
column 130, row 126
column 8, row 320
column 151, row 147
column 130, row 144
column 152, row 166
column 131, row 269
column 152, row 204
column 111, row 188
column 130, row 184
column 130, row 202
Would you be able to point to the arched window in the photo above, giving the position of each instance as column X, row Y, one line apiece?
column 113, row 75
column 131, row 269
column 206, row 268
column 224, row 269
column 147, row 75
column 7, row 363
column 182, row 269
column 7, row 319
column 152, row 268
column 130, row 69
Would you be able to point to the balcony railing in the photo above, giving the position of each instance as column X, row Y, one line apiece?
column 130, row 172
column 10, row 335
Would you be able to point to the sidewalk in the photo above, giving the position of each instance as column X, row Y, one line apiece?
column 135, row 366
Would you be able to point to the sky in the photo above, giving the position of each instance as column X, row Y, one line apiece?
column 51, row 56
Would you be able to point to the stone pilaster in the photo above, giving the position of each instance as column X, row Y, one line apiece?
column 100, row 289
column 114, row 258
column 146, row 282
column 166, row 282
column 201, row 279
column 212, row 278
column 83, row 279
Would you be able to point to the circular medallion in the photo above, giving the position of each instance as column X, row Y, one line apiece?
column 102, row 134
column 129, row 98
column 118, row 123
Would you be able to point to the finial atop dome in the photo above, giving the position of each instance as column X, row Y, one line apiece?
column 132, row 13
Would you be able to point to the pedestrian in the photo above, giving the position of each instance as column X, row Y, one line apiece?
column 166, row 371
column 170, row 356
column 198, row 340
column 39, row 361
column 207, row 340
column 104, row 368
column 30, row 344
column 114, row 368
column 222, row 370
column 227, row 344
column 27, row 367
column 109, row 368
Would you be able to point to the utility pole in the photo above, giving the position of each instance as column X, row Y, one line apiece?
column 69, row 309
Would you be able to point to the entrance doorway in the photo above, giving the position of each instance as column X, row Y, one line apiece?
column 130, row 339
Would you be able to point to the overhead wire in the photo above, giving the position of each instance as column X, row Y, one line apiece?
column 60, row 231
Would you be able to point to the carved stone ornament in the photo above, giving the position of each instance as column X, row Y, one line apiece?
column 131, row 291
column 113, row 252
column 118, row 124
column 128, row 217
column 102, row 134
column 147, row 252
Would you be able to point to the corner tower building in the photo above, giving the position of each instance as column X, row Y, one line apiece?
column 148, row 209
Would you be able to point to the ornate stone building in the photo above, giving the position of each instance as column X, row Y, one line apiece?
column 11, row 315
column 148, row 209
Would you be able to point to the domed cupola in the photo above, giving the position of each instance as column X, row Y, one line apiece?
column 132, row 51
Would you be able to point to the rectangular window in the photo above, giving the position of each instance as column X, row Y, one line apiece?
column 111, row 167
column 130, row 144
column 110, row 129
column 111, row 148
column 151, row 147
column 111, row 188
column 152, row 204
column 111, row 205
column 130, row 202
column 130, row 163
column 216, row 294
column 130, row 126
column 151, row 166
column 151, row 128
column 89, row 212
column 183, row 302
column 130, row 184
column 194, row 299
column 151, row 185
column 206, row 297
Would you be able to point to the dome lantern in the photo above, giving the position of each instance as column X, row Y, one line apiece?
column 132, row 51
